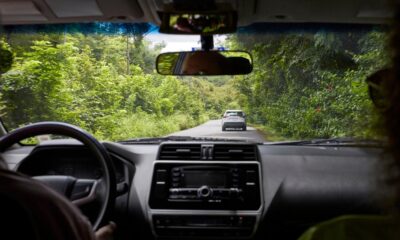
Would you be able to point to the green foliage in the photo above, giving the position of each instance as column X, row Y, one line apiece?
column 166, row 63
column 146, row 125
column 311, row 85
column 102, row 83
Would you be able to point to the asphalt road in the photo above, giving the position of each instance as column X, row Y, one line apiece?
column 213, row 129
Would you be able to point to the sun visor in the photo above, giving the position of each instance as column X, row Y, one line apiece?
column 20, row 11
column 74, row 8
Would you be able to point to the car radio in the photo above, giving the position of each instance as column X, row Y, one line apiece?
column 205, row 186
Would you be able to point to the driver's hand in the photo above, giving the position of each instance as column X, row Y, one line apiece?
column 106, row 232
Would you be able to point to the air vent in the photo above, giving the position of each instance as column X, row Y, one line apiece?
column 235, row 152
column 180, row 152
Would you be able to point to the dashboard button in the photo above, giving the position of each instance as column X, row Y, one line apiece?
column 251, row 176
column 175, row 179
column 161, row 175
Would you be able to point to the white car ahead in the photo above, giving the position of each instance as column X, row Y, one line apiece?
column 234, row 119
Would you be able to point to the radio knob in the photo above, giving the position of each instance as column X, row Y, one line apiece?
column 204, row 192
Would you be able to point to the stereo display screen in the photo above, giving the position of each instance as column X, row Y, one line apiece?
column 197, row 178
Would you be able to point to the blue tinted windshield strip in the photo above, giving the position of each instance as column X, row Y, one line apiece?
column 103, row 28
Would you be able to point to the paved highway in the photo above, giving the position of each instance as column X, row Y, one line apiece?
column 213, row 128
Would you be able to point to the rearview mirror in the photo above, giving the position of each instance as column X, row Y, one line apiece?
column 204, row 63
column 198, row 23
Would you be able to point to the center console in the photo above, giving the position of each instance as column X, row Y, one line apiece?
column 191, row 198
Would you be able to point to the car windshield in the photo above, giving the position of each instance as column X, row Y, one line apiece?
column 234, row 114
column 307, row 82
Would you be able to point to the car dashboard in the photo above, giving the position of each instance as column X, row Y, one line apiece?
column 214, row 190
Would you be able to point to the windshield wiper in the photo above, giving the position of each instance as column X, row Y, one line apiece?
column 181, row 139
column 347, row 141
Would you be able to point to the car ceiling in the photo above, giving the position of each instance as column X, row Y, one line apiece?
column 249, row 11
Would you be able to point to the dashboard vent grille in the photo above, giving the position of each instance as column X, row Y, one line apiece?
column 180, row 152
column 235, row 152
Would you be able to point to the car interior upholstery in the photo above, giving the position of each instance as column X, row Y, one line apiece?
column 259, row 190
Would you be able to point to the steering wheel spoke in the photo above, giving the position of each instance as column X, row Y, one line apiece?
column 79, row 191
column 84, row 191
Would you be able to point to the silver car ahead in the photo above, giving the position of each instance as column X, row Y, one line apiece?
column 234, row 119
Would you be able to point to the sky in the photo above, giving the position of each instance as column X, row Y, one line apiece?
column 180, row 42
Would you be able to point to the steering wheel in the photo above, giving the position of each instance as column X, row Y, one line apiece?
column 78, row 191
